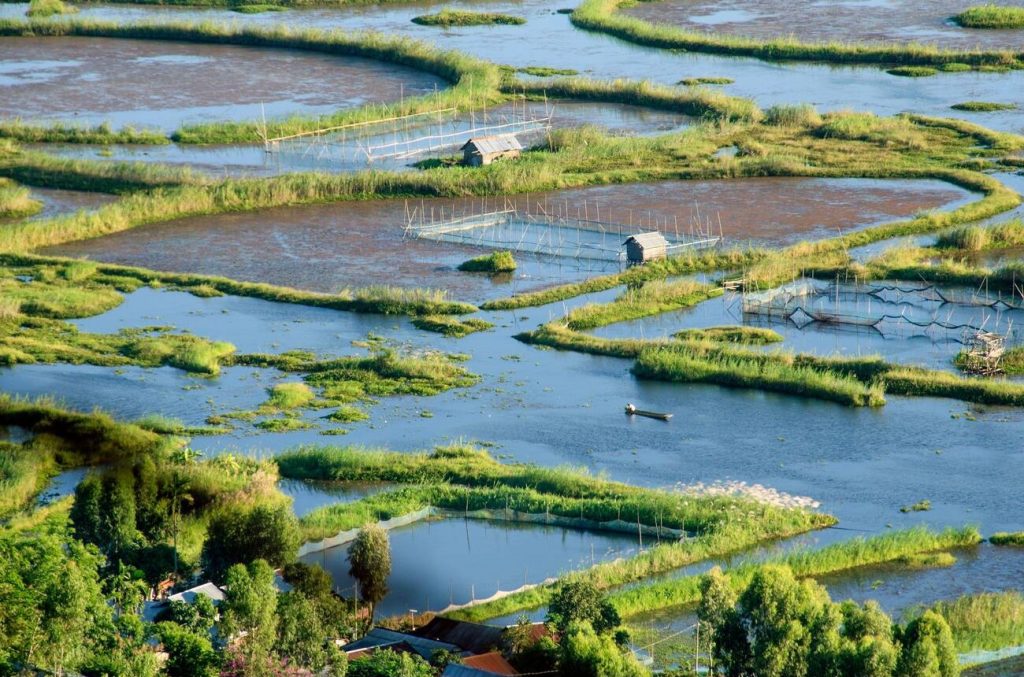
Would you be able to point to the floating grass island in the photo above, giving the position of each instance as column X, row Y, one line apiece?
column 452, row 17
column 495, row 262
column 693, row 82
column 983, row 106
column 913, row 71
column 40, row 9
column 991, row 16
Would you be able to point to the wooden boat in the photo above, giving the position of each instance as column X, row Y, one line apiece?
column 633, row 411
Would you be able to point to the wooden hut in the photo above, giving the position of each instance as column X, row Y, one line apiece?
column 483, row 150
column 645, row 247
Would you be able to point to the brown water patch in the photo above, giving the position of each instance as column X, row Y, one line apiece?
column 925, row 21
column 354, row 244
column 156, row 83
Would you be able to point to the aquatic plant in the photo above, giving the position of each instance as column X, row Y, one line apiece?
column 920, row 506
column 991, row 16
column 913, row 71
column 452, row 17
column 983, row 106
column 1007, row 538
column 643, row 300
column 62, row 132
column 291, row 395
column 40, row 9
column 800, row 115
column 693, row 82
column 731, row 334
column 449, row 325
column 495, row 262
column 985, row 622
column 16, row 201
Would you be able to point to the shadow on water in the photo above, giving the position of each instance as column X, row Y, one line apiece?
column 452, row 561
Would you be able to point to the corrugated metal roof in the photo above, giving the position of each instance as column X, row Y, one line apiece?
column 492, row 662
column 208, row 589
column 382, row 637
column 499, row 143
column 472, row 637
column 453, row 670
column 648, row 240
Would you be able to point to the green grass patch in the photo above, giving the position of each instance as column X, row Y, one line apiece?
column 927, row 560
column 991, row 16
column 1015, row 538
column 920, row 506
column 694, row 82
column 737, row 371
column 285, row 396
column 955, row 67
column 449, row 325
column 985, row 622
column 16, row 201
column 495, row 262
column 62, row 132
column 257, row 9
column 851, row 554
column 799, row 115
column 452, row 17
column 40, row 9
column 913, row 71
column 545, row 71
column 650, row 298
column 283, row 425
column 983, row 106
column 758, row 336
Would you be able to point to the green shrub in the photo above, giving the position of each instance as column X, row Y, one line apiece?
column 495, row 262
column 991, row 16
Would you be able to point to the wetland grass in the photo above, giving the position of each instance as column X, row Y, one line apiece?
column 453, row 17
column 61, row 132
column 1015, row 538
column 16, row 201
column 602, row 16
column 41, row 9
column 495, row 262
column 985, row 622
column 258, row 8
column 913, row 71
column 756, row 336
column 449, row 325
column 644, row 300
column 293, row 395
column 983, row 106
column 696, row 82
column 991, row 16
column 851, row 554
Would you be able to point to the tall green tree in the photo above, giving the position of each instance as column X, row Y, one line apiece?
column 369, row 559
column 301, row 636
column 578, row 600
column 189, row 653
column 243, row 534
column 586, row 653
column 249, row 614
column 928, row 648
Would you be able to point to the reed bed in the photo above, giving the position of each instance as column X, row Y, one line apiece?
column 451, row 17
column 1015, row 538
column 61, row 132
column 651, row 298
column 16, row 201
column 736, row 372
column 851, row 554
column 991, row 16
column 985, row 622
column 758, row 336
column 601, row 16
column 379, row 299
column 450, row 326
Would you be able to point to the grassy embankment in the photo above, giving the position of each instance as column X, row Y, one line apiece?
column 475, row 82
column 453, row 17
column 860, row 381
column 70, row 133
column 59, row 439
column 602, row 16
column 991, row 16
column 462, row 478
column 857, row 552
column 16, row 201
